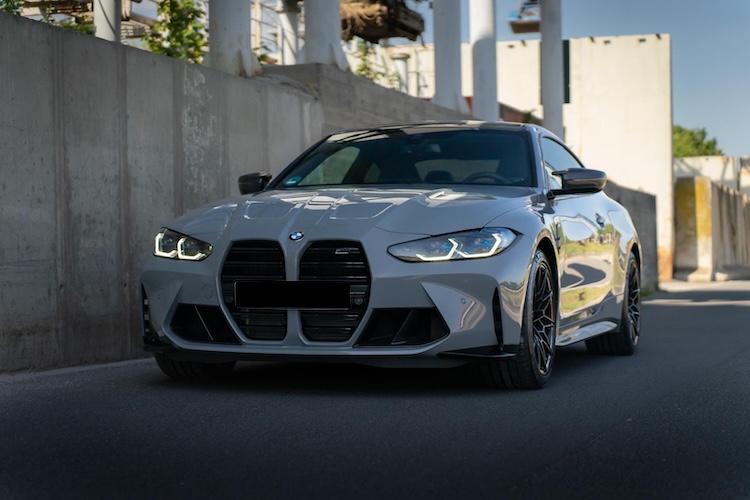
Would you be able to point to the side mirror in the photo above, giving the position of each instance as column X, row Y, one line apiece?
column 580, row 181
column 253, row 183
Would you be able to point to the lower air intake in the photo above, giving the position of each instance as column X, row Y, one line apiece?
column 403, row 327
column 202, row 324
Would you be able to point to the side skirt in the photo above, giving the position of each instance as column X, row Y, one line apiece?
column 586, row 332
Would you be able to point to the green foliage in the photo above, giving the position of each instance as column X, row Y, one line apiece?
column 179, row 31
column 12, row 6
column 366, row 70
column 263, row 54
column 693, row 142
column 71, row 24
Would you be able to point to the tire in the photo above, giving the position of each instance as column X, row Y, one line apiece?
column 532, row 366
column 186, row 370
column 623, row 341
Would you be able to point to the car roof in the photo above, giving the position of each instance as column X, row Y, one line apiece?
column 458, row 124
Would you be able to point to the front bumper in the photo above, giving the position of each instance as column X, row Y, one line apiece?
column 416, row 314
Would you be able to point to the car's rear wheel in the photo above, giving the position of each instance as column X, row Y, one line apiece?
column 532, row 365
column 625, row 338
column 188, row 370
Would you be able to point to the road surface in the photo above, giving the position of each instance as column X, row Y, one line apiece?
column 672, row 421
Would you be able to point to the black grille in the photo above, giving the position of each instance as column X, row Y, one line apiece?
column 254, row 260
column 407, row 327
column 335, row 261
column 202, row 324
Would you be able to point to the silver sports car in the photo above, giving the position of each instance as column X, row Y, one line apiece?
column 432, row 244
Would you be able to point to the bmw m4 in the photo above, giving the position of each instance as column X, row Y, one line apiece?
column 431, row 244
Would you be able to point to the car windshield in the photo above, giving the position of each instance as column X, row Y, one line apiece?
column 416, row 156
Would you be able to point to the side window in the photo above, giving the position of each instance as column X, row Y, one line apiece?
column 556, row 157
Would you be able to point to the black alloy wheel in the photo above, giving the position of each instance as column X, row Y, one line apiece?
column 634, row 303
column 544, row 324
column 623, row 340
column 532, row 366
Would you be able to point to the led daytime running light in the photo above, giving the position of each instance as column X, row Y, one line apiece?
column 466, row 245
column 157, row 247
column 180, row 250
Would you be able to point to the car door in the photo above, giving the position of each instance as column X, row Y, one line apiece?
column 584, row 238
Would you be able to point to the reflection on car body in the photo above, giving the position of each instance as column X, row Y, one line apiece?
column 433, row 244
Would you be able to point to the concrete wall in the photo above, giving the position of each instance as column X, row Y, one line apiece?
column 350, row 101
column 712, row 231
column 730, row 171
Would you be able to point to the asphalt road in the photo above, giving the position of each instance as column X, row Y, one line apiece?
column 672, row 421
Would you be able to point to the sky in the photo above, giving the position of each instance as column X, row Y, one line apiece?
column 710, row 53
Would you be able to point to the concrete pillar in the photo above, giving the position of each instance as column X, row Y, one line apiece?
column 553, row 92
column 288, row 11
column 484, row 59
column 323, row 33
column 229, row 35
column 107, row 17
column 447, row 19
column 400, row 60
column 695, row 232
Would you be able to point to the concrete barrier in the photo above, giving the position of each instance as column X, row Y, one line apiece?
column 730, row 171
column 712, row 231
column 102, row 143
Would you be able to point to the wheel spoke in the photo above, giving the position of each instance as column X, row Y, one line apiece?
column 634, row 304
column 543, row 321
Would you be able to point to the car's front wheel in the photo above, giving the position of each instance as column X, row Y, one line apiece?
column 189, row 370
column 532, row 365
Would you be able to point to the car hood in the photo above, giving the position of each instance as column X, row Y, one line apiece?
column 408, row 211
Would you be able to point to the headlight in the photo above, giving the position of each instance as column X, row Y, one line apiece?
column 173, row 245
column 459, row 246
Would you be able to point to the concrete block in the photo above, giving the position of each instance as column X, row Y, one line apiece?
column 90, row 287
column 148, row 195
column 285, row 128
column 693, row 228
column 202, row 128
column 247, row 134
column 28, row 215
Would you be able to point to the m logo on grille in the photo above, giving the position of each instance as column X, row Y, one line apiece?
column 346, row 250
column 296, row 236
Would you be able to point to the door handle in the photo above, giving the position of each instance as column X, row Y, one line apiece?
column 600, row 220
